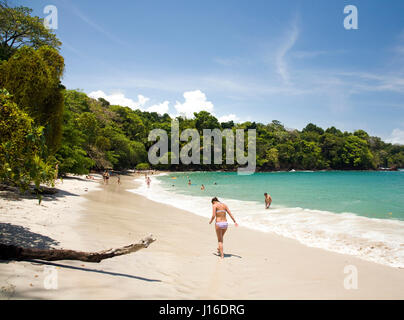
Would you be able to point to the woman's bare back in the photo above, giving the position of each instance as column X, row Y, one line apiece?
column 221, row 210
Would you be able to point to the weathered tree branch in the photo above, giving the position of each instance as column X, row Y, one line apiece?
column 11, row 252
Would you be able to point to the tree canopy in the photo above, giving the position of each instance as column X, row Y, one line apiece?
column 42, row 123
column 112, row 136
column 19, row 28
column 21, row 147
column 33, row 77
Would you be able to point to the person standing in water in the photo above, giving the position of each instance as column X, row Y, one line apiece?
column 268, row 200
column 203, row 188
column 148, row 180
column 189, row 182
column 219, row 211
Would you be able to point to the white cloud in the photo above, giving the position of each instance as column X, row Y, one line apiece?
column 160, row 108
column 281, row 64
column 396, row 137
column 141, row 100
column 195, row 101
column 229, row 117
column 119, row 98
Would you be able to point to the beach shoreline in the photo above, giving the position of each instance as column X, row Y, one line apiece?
column 182, row 263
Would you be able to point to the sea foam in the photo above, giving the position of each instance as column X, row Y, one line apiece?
column 377, row 240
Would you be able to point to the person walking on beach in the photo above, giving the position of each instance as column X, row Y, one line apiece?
column 268, row 200
column 219, row 211
column 106, row 176
column 119, row 179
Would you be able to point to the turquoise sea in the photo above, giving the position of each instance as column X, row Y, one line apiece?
column 370, row 194
column 353, row 212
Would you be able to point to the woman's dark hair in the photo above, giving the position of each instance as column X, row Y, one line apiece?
column 215, row 200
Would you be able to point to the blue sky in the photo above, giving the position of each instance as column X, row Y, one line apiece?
column 291, row 61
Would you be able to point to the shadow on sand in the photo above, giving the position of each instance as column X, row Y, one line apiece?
column 93, row 270
column 19, row 236
column 11, row 234
column 14, row 194
column 227, row 255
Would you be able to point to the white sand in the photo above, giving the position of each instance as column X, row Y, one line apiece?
column 56, row 216
column 182, row 263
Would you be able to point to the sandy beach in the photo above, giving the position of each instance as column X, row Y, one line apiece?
column 181, row 264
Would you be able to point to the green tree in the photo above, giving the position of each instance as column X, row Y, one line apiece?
column 272, row 157
column 72, row 156
column 332, row 149
column 33, row 78
column 396, row 160
column 356, row 153
column 22, row 147
column 18, row 28
column 309, row 155
column 313, row 128
column 131, row 123
column 88, row 124
column 204, row 120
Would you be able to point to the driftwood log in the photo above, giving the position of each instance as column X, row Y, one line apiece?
column 11, row 252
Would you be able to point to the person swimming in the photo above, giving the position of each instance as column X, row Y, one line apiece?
column 219, row 211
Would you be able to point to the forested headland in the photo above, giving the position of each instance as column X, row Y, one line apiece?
column 48, row 130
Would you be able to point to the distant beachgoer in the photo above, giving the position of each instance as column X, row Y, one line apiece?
column 203, row 188
column 268, row 200
column 215, row 183
column 219, row 211
column 119, row 179
column 106, row 177
column 189, row 182
column 148, row 181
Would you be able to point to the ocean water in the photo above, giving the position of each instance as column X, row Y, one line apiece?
column 358, row 212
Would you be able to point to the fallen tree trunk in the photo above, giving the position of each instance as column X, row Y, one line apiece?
column 11, row 252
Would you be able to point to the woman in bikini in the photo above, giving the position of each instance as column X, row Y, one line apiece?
column 219, row 211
